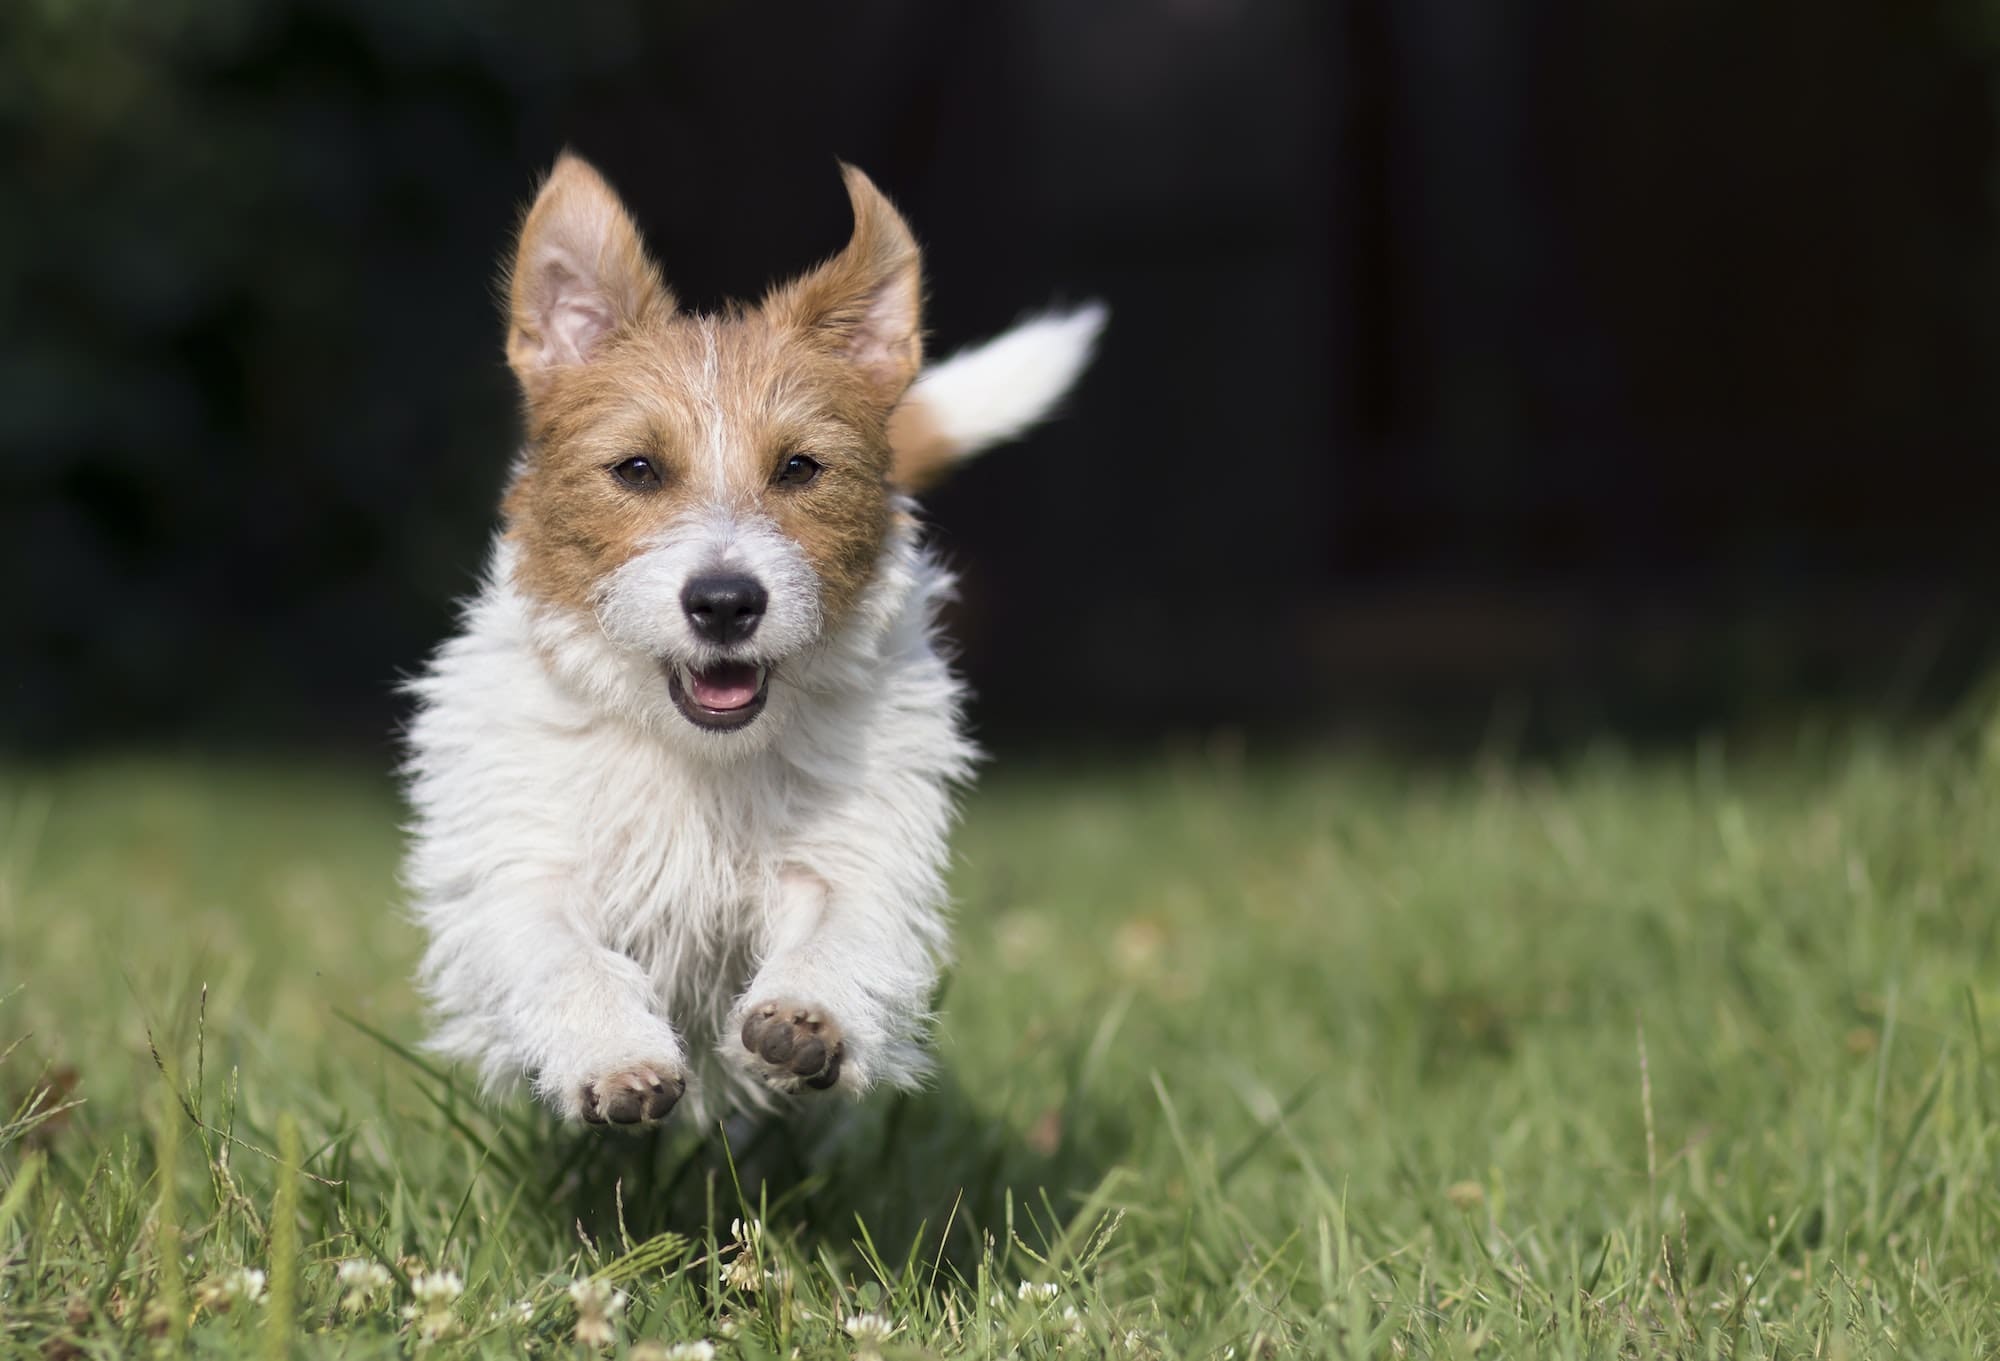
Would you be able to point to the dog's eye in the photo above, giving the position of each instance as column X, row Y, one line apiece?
column 795, row 471
column 637, row 473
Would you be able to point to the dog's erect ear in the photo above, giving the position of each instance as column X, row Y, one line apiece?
column 867, row 301
column 580, row 272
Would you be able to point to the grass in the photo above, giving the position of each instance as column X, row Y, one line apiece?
column 1684, row 1055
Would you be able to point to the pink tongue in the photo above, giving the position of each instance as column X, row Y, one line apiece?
column 728, row 686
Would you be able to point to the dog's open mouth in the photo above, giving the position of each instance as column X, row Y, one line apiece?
column 722, row 697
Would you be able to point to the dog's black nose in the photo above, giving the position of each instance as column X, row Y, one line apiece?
column 724, row 609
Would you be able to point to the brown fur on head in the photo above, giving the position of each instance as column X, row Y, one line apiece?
column 611, row 371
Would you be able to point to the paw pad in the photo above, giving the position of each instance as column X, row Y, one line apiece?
column 633, row 1096
column 800, row 1043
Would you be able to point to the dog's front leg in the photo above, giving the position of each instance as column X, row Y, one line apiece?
column 842, row 995
column 523, row 984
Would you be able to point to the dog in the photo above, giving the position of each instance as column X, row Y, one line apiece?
column 682, row 782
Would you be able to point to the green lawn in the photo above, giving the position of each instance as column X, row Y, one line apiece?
column 1676, row 1055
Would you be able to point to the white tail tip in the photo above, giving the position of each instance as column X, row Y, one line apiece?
column 990, row 393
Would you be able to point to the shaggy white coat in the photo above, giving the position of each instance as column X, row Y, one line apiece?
column 606, row 886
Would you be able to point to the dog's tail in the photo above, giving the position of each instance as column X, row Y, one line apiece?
column 987, row 394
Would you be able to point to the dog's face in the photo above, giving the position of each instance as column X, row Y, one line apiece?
column 707, row 497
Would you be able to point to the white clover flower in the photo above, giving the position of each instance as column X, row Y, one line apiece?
column 1071, row 1319
column 238, row 1285
column 435, row 1293
column 726, row 1327
column 437, row 1287
column 1037, row 1290
column 744, row 1270
column 597, row 1304
column 699, row 1350
column 870, row 1330
column 361, row 1280
column 743, row 1273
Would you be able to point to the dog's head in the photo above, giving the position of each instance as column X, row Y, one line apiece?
column 703, row 499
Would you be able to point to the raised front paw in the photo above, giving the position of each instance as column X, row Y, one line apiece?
column 799, row 1044
column 640, row 1094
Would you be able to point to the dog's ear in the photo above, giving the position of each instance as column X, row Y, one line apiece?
column 866, row 303
column 580, row 273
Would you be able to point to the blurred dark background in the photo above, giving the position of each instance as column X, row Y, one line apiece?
column 1542, row 367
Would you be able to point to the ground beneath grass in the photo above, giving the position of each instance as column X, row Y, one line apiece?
column 1685, row 1055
